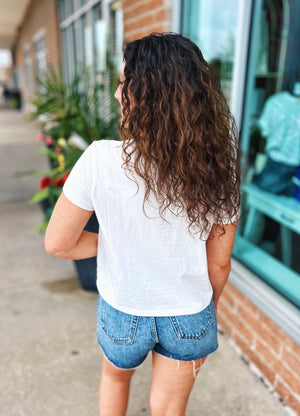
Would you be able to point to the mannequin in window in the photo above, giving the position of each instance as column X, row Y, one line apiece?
column 280, row 125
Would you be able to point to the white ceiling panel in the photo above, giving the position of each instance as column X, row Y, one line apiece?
column 11, row 16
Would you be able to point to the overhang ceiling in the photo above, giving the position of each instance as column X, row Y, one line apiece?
column 12, row 13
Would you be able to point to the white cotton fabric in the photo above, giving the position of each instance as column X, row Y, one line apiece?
column 146, row 266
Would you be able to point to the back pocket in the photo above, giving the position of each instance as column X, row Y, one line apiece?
column 195, row 326
column 120, row 327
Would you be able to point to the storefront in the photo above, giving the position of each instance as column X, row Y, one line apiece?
column 90, row 29
column 91, row 33
column 254, row 48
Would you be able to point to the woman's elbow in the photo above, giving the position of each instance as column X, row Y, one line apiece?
column 50, row 248
column 53, row 247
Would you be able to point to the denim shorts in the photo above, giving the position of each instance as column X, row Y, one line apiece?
column 127, row 339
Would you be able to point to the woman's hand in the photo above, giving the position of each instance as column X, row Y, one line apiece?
column 65, row 237
column 218, row 251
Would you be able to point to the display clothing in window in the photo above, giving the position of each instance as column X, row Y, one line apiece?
column 280, row 124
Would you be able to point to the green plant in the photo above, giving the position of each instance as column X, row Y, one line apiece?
column 70, row 114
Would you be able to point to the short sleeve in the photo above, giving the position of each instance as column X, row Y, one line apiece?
column 78, row 186
column 229, row 220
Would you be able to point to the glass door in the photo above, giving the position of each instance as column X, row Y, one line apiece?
column 213, row 27
column 268, row 241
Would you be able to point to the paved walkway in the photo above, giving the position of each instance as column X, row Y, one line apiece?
column 49, row 358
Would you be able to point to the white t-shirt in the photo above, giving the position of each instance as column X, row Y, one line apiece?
column 146, row 266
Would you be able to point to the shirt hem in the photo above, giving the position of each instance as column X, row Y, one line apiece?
column 157, row 312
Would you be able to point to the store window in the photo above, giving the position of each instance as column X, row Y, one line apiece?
column 87, row 28
column 92, row 41
column 28, row 70
column 268, row 241
column 115, row 33
column 100, row 42
column 88, row 41
column 40, row 56
column 215, row 34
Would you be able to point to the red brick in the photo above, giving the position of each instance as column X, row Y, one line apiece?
column 292, row 346
column 128, row 3
column 248, row 305
column 294, row 403
column 139, row 23
column 134, row 5
column 223, row 304
column 274, row 343
column 234, row 292
column 264, row 368
column 135, row 35
column 247, row 316
column 245, row 331
column 288, row 377
column 267, row 371
column 135, row 25
column 138, row 33
column 265, row 352
column 225, row 324
column 228, row 298
column 159, row 28
column 264, row 332
column 282, row 390
column 288, row 397
column 278, row 332
column 160, row 16
column 136, row 12
column 243, row 344
column 291, row 360
column 226, row 310
column 237, row 323
column 155, row 4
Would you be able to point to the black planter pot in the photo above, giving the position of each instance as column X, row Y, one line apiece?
column 45, row 205
column 87, row 268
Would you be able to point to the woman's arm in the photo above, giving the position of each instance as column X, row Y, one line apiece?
column 65, row 236
column 218, row 250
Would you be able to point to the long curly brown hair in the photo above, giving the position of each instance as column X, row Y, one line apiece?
column 178, row 133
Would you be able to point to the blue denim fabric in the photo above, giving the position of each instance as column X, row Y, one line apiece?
column 276, row 178
column 127, row 339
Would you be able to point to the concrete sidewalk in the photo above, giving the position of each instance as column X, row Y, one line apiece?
column 49, row 357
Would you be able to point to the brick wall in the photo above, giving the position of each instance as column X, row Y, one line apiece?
column 141, row 17
column 263, row 343
column 41, row 15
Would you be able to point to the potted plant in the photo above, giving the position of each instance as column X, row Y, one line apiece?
column 71, row 120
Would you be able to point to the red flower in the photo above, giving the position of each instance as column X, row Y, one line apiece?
column 45, row 182
column 65, row 177
column 48, row 140
column 58, row 150
column 58, row 182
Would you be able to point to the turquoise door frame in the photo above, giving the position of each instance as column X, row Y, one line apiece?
column 250, row 81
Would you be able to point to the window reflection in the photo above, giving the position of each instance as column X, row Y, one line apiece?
column 88, row 41
column 270, row 226
column 100, row 31
column 215, row 33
